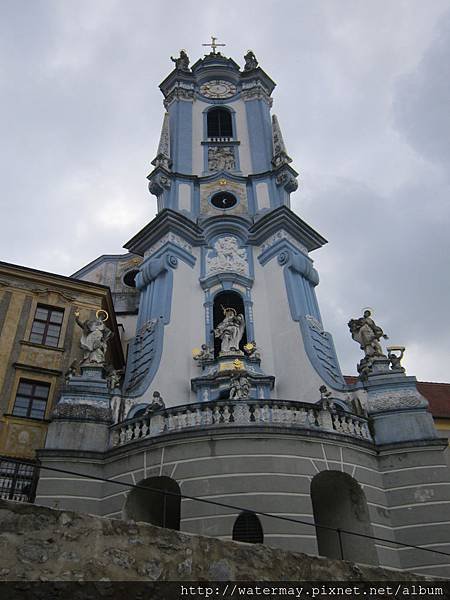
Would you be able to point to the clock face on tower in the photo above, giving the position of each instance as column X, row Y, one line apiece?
column 218, row 89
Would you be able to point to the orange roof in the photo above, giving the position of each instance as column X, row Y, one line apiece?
column 437, row 394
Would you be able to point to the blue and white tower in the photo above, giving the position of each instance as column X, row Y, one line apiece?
column 225, row 237
column 232, row 390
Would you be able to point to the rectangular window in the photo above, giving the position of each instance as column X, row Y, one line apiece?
column 31, row 399
column 18, row 480
column 47, row 325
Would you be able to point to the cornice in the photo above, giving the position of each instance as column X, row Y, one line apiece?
column 40, row 278
column 101, row 259
column 283, row 218
column 166, row 221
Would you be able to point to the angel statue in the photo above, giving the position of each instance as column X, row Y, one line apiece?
column 94, row 338
column 230, row 330
column 367, row 334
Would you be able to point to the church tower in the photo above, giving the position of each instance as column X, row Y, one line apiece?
column 231, row 408
column 225, row 243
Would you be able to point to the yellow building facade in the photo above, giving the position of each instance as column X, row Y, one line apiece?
column 39, row 342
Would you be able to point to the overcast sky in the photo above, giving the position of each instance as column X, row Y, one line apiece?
column 363, row 100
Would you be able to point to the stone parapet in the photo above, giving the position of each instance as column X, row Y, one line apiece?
column 253, row 413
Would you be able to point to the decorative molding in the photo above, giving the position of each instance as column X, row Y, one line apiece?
column 144, row 357
column 179, row 93
column 255, row 91
column 172, row 238
column 159, row 181
column 77, row 411
column 390, row 400
column 37, row 369
column 287, row 180
column 152, row 268
column 320, row 349
column 163, row 154
column 280, row 155
column 298, row 263
column 41, row 346
column 41, row 291
column 282, row 234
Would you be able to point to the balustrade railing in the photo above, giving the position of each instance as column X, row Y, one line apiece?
column 222, row 138
column 255, row 413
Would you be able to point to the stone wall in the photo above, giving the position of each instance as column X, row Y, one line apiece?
column 43, row 544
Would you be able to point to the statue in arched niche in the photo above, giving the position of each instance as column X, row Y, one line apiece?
column 230, row 330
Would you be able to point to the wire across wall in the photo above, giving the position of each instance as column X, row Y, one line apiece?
column 339, row 531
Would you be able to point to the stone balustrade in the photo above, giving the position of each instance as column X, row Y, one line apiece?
column 248, row 413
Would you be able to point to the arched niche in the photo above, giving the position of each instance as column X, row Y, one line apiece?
column 155, row 506
column 248, row 528
column 227, row 299
column 340, row 503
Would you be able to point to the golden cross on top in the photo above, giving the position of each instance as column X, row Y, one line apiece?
column 213, row 44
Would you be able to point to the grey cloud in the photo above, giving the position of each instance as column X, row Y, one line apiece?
column 422, row 101
column 359, row 98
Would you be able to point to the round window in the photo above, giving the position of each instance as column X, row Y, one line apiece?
column 223, row 200
column 129, row 278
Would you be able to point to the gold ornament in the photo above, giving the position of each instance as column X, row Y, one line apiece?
column 238, row 364
column 196, row 352
column 99, row 312
column 249, row 347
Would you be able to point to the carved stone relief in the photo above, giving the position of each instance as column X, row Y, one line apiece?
column 227, row 256
column 221, row 158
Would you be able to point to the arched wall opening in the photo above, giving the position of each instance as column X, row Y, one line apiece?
column 339, row 503
column 227, row 299
column 248, row 528
column 154, row 505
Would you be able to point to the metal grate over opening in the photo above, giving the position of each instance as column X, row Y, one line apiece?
column 18, row 480
column 247, row 528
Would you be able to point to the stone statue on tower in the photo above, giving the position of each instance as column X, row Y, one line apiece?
column 230, row 330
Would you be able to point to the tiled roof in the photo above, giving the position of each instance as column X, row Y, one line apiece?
column 437, row 394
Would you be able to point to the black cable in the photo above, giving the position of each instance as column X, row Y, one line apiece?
column 224, row 505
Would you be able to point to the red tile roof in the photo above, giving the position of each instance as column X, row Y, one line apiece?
column 437, row 394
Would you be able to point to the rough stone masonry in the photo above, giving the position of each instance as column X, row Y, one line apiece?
column 43, row 544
